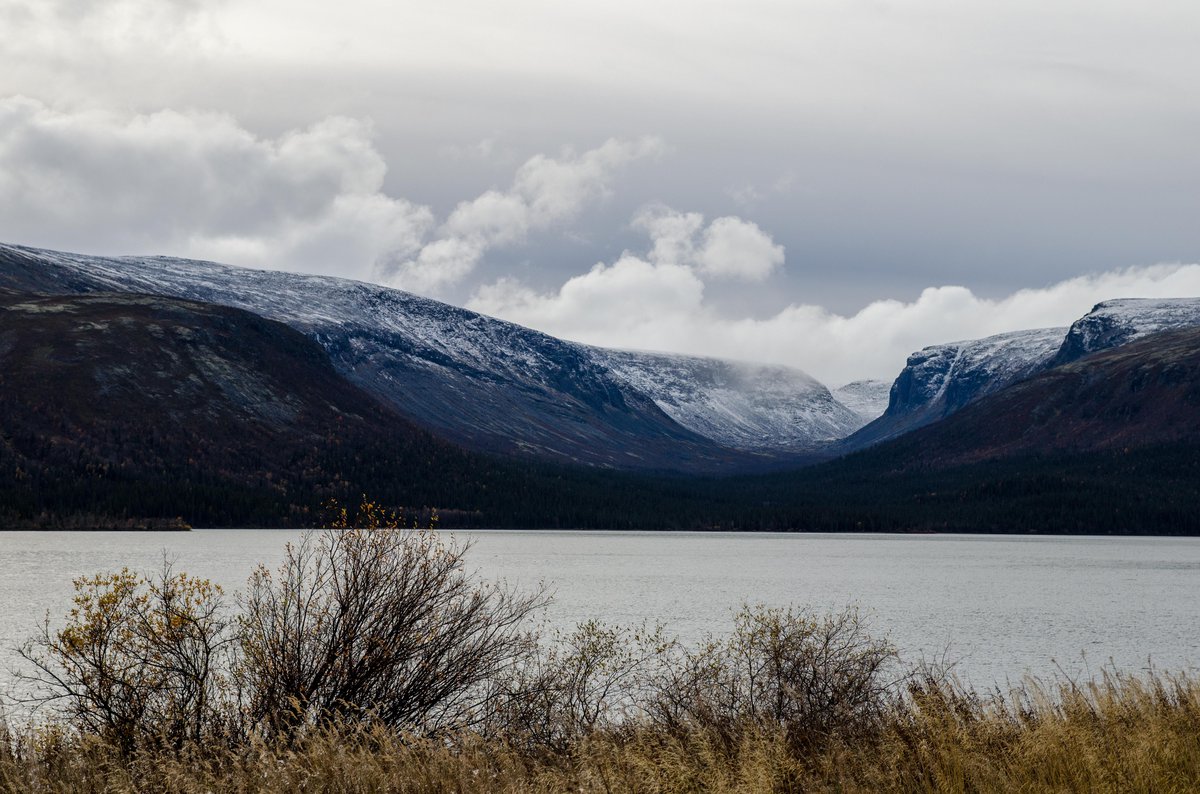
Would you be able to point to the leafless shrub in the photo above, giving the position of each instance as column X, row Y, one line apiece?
column 373, row 624
column 812, row 676
column 593, row 678
column 377, row 624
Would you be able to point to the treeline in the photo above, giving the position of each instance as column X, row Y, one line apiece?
column 1145, row 491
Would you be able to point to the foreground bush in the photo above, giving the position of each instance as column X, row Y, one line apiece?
column 377, row 625
column 367, row 622
column 810, row 677
column 139, row 662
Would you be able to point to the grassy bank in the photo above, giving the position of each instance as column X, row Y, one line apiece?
column 1135, row 734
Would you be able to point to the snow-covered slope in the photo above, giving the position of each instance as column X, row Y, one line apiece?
column 482, row 382
column 740, row 405
column 1117, row 322
column 940, row 379
column 867, row 398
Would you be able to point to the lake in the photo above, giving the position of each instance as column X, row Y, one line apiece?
column 1002, row 606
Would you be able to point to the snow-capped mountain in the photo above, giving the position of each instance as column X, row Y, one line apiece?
column 940, row 379
column 1117, row 322
column 867, row 398
column 740, row 405
column 483, row 382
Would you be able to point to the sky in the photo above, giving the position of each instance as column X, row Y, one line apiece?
column 827, row 184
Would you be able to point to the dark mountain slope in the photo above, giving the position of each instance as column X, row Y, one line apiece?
column 1142, row 394
column 127, row 407
column 1108, row 443
column 121, row 410
column 129, row 410
column 484, row 383
column 1113, row 323
column 939, row 380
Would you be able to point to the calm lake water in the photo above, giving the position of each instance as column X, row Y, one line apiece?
column 1003, row 606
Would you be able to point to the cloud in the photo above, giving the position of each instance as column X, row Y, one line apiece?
column 82, row 29
column 545, row 192
column 673, row 234
column 609, row 301
column 199, row 184
column 734, row 248
column 729, row 247
column 640, row 304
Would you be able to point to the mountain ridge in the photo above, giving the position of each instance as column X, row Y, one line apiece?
column 485, row 383
column 121, row 410
column 940, row 379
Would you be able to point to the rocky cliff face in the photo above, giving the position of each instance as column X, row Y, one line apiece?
column 1140, row 394
column 1118, row 322
column 941, row 379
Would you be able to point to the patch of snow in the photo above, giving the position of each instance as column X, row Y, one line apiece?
column 867, row 398
column 959, row 372
column 1118, row 322
column 741, row 405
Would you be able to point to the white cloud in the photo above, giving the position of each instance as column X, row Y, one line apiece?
column 734, row 248
column 621, row 300
column 199, row 184
column 729, row 247
column 656, row 306
column 672, row 233
column 436, row 265
column 545, row 192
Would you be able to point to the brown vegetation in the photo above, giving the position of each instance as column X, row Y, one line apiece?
column 1119, row 735
column 371, row 661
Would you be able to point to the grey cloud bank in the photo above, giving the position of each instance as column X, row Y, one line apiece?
column 701, row 177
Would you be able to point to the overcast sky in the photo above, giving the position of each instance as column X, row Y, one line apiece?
column 829, row 184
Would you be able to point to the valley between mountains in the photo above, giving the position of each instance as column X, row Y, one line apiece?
column 144, row 392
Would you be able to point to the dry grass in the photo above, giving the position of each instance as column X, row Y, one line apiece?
column 1122, row 733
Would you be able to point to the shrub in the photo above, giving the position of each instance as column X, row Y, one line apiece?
column 378, row 623
column 591, row 679
column 139, row 660
column 810, row 676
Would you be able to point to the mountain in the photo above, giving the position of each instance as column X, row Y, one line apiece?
column 484, row 383
column 1117, row 322
column 1142, row 393
column 740, row 405
column 140, row 411
column 939, row 380
column 118, row 403
column 1109, row 443
column 867, row 398
column 128, row 410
